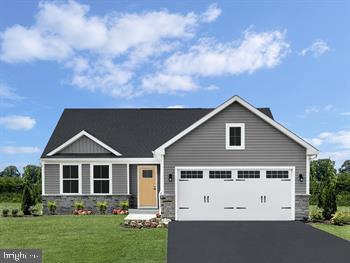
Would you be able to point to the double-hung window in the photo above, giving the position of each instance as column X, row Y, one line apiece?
column 101, row 179
column 70, row 179
column 235, row 136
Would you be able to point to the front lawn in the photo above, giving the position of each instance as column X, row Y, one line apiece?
column 84, row 239
column 340, row 231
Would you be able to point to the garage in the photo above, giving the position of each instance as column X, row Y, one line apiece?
column 234, row 193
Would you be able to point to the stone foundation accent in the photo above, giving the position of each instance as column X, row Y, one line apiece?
column 167, row 206
column 302, row 207
column 65, row 204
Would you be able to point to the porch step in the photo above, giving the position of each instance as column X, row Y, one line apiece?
column 143, row 211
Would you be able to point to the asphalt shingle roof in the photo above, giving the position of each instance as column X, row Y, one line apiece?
column 131, row 132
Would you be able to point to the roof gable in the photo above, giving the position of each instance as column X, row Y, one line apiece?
column 309, row 148
column 79, row 140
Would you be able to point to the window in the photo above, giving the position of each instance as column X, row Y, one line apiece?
column 147, row 173
column 277, row 174
column 235, row 136
column 70, row 179
column 220, row 174
column 248, row 174
column 101, row 180
column 191, row 174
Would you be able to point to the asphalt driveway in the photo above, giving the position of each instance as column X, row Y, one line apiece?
column 254, row 242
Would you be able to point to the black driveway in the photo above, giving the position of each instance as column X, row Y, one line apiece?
column 254, row 242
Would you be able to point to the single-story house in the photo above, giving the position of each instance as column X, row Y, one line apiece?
column 233, row 162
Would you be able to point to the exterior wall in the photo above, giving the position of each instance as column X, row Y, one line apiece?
column 65, row 204
column 133, row 182
column 167, row 206
column 84, row 145
column 206, row 146
column 85, row 178
column 301, row 207
column 52, row 178
column 119, row 179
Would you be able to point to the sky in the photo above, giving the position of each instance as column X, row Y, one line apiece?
column 292, row 57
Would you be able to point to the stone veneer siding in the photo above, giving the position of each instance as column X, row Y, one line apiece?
column 167, row 206
column 65, row 204
column 302, row 207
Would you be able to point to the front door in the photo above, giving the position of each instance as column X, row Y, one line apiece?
column 147, row 179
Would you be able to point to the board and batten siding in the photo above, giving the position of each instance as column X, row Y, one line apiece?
column 206, row 146
column 84, row 145
column 119, row 179
column 52, row 178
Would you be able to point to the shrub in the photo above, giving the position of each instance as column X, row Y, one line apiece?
column 27, row 200
column 328, row 199
column 11, row 184
column 5, row 212
column 51, row 205
column 124, row 205
column 102, row 207
column 79, row 205
column 34, row 210
column 340, row 218
column 316, row 215
column 14, row 212
column 343, row 199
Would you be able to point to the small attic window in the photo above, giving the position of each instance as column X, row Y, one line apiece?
column 235, row 136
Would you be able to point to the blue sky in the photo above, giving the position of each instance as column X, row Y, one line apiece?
column 293, row 58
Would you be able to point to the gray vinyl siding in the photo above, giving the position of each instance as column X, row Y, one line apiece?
column 52, row 179
column 84, row 145
column 133, row 178
column 85, row 179
column 264, row 146
column 119, row 179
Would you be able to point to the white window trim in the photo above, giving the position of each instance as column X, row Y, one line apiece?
column 79, row 178
column 92, row 178
column 231, row 125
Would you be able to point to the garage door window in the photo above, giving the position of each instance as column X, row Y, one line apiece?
column 191, row 174
column 220, row 174
column 277, row 174
column 248, row 174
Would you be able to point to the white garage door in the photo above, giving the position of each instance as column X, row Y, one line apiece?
column 235, row 193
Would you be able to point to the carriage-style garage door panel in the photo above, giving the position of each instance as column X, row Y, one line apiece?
column 235, row 193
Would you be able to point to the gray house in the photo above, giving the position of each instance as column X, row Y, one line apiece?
column 234, row 162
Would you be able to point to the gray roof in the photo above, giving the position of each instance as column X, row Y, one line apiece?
column 131, row 132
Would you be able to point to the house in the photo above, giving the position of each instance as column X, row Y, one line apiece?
column 234, row 162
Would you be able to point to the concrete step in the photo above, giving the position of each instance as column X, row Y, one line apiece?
column 143, row 211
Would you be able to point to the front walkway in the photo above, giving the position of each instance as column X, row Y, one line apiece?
column 254, row 242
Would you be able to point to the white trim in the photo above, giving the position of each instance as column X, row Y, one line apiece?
column 109, row 178
column 128, row 178
column 104, row 160
column 138, row 186
column 79, row 178
column 227, row 131
column 292, row 168
column 310, row 149
column 42, row 178
column 307, row 175
column 78, row 136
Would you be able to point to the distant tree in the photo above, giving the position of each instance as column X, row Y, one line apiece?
column 27, row 200
column 345, row 168
column 10, row 171
column 32, row 174
column 321, row 169
column 343, row 182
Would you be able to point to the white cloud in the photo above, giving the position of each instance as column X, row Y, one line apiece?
column 339, row 139
column 318, row 109
column 163, row 83
column 19, row 150
column 176, row 107
column 212, row 87
column 345, row 113
column 6, row 93
column 316, row 49
column 15, row 122
column 338, row 156
column 209, row 58
column 212, row 13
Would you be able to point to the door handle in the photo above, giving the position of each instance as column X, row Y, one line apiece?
column 154, row 187
column 207, row 198
column 264, row 198
column 261, row 198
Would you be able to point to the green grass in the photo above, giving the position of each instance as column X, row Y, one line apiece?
column 92, row 239
column 340, row 231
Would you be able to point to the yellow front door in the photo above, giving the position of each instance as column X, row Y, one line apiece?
column 147, row 175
